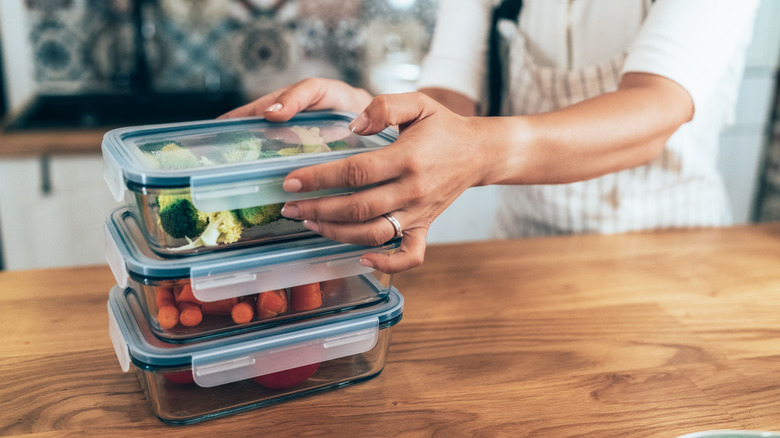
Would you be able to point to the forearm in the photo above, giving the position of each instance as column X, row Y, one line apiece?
column 601, row 135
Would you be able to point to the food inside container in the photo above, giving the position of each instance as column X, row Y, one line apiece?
column 211, row 294
column 174, row 314
column 209, row 185
column 186, row 383
column 173, row 226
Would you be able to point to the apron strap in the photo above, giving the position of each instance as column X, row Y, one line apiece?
column 506, row 10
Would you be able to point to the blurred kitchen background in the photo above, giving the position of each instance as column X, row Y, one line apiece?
column 72, row 69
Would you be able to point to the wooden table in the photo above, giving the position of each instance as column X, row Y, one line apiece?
column 645, row 335
column 50, row 142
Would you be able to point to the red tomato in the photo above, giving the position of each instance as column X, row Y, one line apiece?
column 287, row 378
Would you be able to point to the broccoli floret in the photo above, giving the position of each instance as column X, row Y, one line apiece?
column 311, row 148
column 239, row 154
column 223, row 227
column 260, row 215
column 155, row 146
column 151, row 152
column 173, row 156
column 150, row 160
column 286, row 152
column 227, row 224
column 179, row 218
column 269, row 154
column 338, row 145
column 274, row 144
column 238, row 146
column 236, row 137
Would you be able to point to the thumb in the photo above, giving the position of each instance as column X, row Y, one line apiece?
column 385, row 110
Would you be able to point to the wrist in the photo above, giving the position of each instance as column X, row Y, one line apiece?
column 505, row 150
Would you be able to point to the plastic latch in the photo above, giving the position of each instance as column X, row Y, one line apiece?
column 219, row 287
column 284, row 351
column 113, row 175
column 207, row 286
column 210, row 196
column 115, row 260
column 120, row 346
column 236, row 194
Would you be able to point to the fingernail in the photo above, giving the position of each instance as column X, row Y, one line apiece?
column 292, row 185
column 367, row 263
column 312, row 225
column 359, row 124
column 291, row 211
column 274, row 108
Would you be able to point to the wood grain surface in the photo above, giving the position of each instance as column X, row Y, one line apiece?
column 637, row 335
column 25, row 143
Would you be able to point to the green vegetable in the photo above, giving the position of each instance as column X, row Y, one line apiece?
column 273, row 144
column 229, row 227
column 155, row 146
column 179, row 218
column 223, row 226
column 173, row 156
column 260, row 215
column 286, row 152
column 338, row 145
column 269, row 154
column 237, row 146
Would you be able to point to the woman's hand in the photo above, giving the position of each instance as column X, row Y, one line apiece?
column 417, row 177
column 307, row 95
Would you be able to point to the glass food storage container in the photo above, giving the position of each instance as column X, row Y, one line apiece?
column 186, row 383
column 209, row 294
column 208, row 185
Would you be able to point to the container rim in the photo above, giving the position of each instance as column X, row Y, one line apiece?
column 130, row 249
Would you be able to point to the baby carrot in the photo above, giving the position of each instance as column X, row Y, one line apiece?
column 190, row 314
column 244, row 311
column 271, row 303
column 219, row 307
column 167, row 313
column 164, row 296
column 305, row 297
column 185, row 294
column 167, row 317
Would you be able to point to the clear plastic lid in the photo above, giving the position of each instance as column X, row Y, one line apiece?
column 231, row 163
column 243, row 271
column 246, row 355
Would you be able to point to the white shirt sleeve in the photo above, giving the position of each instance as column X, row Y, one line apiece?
column 692, row 42
column 458, row 56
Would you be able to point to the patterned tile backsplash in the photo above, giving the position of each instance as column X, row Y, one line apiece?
column 254, row 46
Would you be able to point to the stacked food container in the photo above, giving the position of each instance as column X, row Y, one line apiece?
column 221, row 304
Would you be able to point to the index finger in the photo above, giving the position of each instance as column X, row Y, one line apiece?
column 257, row 107
column 351, row 172
column 282, row 104
column 369, row 167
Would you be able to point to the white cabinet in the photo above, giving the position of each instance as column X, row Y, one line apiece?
column 61, row 228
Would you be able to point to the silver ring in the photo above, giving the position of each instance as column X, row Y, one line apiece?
column 396, row 226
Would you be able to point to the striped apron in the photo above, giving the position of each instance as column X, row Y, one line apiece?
column 668, row 192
